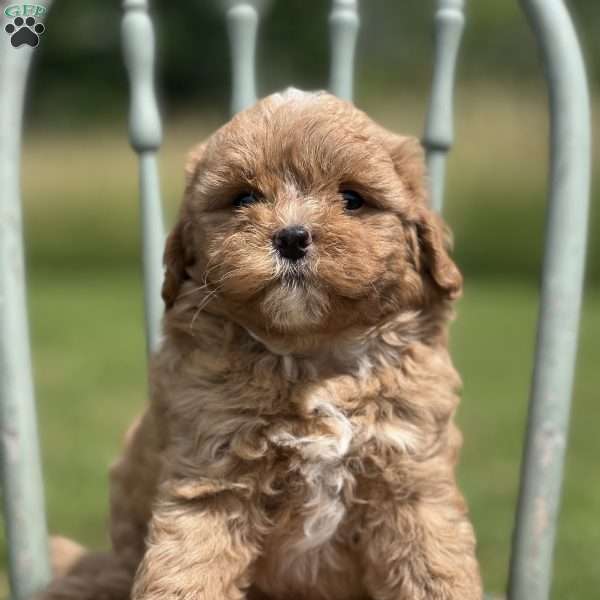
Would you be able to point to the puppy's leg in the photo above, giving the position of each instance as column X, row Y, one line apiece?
column 94, row 576
column 64, row 555
column 133, row 487
column 420, row 550
column 199, row 549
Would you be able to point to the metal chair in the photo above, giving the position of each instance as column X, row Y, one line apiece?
column 567, row 209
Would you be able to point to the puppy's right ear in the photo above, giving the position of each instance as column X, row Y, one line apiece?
column 175, row 260
column 177, row 254
column 193, row 158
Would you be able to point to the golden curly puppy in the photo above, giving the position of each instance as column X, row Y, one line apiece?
column 299, row 443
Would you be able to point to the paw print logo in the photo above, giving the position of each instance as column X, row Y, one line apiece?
column 24, row 31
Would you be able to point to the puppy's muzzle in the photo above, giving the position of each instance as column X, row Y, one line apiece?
column 292, row 242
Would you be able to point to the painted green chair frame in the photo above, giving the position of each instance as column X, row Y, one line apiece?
column 562, row 274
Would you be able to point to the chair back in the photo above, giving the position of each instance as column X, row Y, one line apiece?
column 545, row 444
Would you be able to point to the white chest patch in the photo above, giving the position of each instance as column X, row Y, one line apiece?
column 324, row 472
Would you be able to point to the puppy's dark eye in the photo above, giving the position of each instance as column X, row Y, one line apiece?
column 352, row 200
column 245, row 199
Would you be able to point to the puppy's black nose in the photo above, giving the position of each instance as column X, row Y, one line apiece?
column 292, row 242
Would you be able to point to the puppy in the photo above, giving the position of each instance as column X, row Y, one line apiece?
column 299, row 443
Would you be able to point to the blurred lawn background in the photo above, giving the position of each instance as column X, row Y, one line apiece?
column 81, row 222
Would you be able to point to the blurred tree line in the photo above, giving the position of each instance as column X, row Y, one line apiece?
column 80, row 71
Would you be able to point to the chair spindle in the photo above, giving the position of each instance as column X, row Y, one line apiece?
column 242, row 27
column 343, row 24
column 439, row 130
column 145, row 134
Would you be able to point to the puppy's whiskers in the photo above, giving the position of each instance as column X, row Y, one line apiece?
column 202, row 305
column 220, row 284
column 194, row 290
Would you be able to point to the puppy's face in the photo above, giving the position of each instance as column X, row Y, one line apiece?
column 301, row 216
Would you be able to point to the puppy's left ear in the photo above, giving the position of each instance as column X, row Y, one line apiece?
column 434, row 242
column 433, row 239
